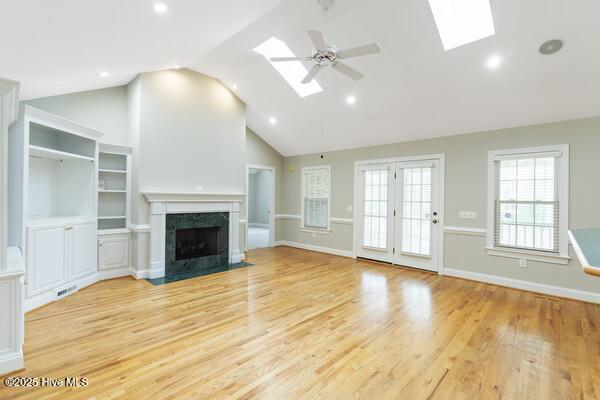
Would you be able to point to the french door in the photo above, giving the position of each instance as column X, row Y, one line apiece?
column 398, row 210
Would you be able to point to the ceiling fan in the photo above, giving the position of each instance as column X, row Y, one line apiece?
column 324, row 55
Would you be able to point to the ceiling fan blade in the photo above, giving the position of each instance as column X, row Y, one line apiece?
column 359, row 51
column 282, row 59
column 348, row 71
column 311, row 74
column 317, row 39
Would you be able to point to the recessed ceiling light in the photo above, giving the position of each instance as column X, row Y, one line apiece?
column 234, row 86
column 103, row 74
column 351, row 99
column 176, row 66
column 462, row 21
column 160, row 8
column 551, row 47
column 493, row 62
column 292, row 71
column 273, row 121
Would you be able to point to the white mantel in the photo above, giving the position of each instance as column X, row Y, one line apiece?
column 163, row 203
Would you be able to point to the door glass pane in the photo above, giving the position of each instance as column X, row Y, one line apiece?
column 375, row 208
column 416, row 211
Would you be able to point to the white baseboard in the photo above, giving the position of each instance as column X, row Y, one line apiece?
column 311, row 247
column 139, row 274
column 11, row 362
column 113, row 273
column 31, row 303
column 559, row 291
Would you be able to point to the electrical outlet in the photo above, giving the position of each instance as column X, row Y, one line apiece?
column 467, row 214
column 523, row 262
column 199, row 188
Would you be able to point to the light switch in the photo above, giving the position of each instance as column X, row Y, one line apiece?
column 467, row 214
column 349, row 208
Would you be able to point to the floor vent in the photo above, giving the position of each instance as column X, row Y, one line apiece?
column 66, row 291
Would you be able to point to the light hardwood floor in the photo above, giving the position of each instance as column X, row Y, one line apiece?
column 303, row 325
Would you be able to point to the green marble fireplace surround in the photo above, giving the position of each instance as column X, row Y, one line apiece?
column 174, row 222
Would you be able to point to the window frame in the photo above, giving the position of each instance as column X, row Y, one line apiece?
column 303, row 203
column 563, row 200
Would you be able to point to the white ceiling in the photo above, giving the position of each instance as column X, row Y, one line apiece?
column 61, row 46
column 413, row 89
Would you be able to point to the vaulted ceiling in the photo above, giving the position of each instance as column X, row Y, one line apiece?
column 413, row 89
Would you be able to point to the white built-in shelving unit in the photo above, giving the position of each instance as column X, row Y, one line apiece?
column 114, row 181
column 52, row 189
column 114, row 188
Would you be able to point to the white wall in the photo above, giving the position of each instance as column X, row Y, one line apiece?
column 192, row 133
column 104, row 110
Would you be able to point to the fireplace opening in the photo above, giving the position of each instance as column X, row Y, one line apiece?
column 196, row 243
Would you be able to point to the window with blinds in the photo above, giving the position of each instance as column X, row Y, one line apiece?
column 375, row 208
column 416, row 211
column 316, row 183
column 527, row 208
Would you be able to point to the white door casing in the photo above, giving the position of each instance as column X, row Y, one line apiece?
column 413, row 234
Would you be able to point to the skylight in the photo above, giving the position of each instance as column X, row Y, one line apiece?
column 292, row 71
column 462, row 21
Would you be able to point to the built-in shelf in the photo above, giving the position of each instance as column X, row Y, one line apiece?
column 113, row 217
column 113, row 199
column 112, row 231
column 44, row 152
column 45, row 221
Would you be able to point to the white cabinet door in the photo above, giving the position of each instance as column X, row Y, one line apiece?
column 83, row 250
column 46, row 264
column 113, row 252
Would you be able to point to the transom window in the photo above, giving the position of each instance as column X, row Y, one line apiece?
column 529, row 196
column 316, row 182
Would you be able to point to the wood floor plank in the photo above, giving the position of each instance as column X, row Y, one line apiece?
column 305, row 325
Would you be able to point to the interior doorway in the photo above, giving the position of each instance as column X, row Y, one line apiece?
column 260, row 206
column 399, row 211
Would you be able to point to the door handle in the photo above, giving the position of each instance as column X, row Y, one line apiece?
column 435, row 221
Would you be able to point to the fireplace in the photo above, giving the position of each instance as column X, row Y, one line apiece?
column 196, row 242
column 163, row 205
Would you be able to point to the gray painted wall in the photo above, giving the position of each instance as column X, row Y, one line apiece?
column 466, row 189
column 104, row 110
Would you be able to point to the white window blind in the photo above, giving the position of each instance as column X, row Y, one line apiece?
column 316, row 189
column 375, row 208
column 527, row 208
column 416, row 211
